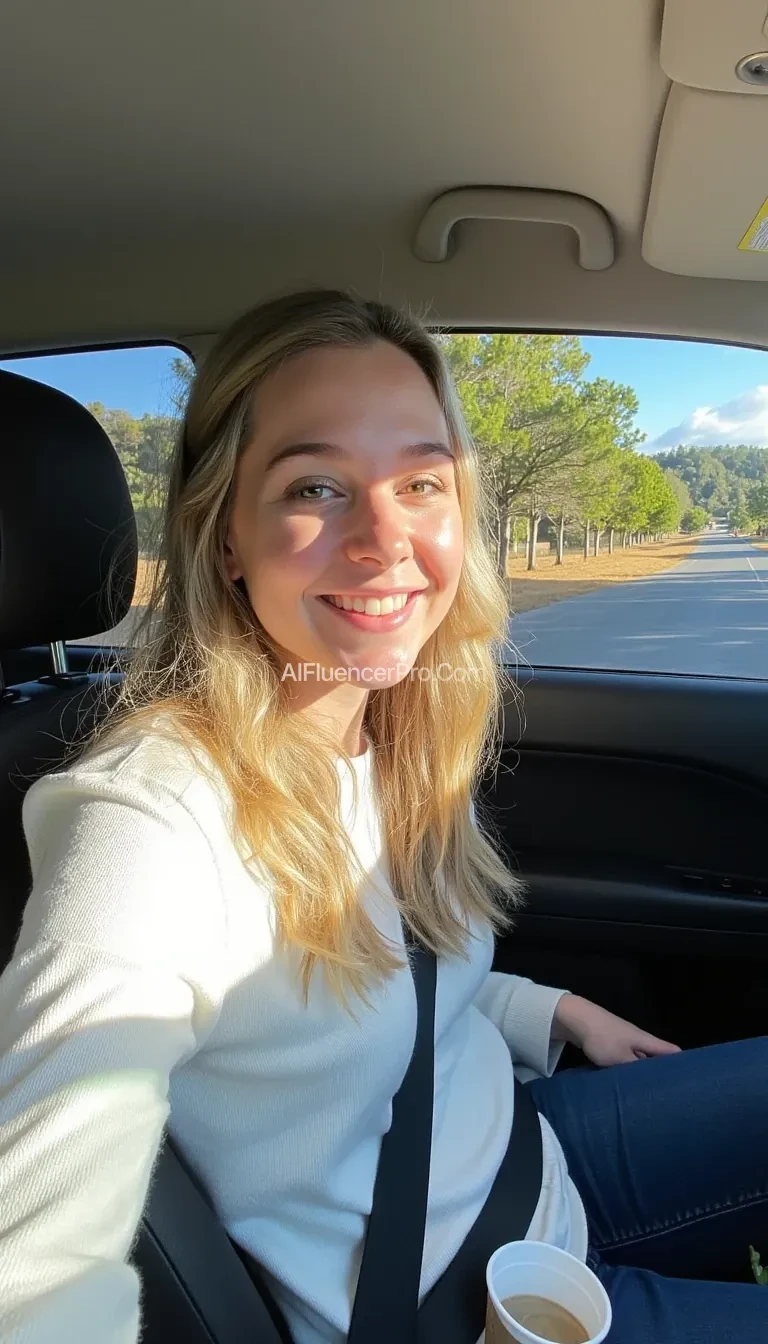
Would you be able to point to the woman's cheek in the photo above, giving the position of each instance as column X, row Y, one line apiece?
column 446, row 542
column 293, row 556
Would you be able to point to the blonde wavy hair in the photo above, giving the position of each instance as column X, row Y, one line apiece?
column 207, row 663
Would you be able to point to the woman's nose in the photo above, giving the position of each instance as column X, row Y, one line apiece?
column 378, row 533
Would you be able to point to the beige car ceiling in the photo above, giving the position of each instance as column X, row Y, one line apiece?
column 588, row 164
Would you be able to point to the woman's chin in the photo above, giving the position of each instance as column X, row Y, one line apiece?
column 369, row 671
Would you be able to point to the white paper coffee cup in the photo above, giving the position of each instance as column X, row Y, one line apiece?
column 536, row 1269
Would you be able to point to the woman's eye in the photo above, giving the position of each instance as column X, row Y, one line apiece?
column 299, row 491
column 426, row 482
column 309, row 492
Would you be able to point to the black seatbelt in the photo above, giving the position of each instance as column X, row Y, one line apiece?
column 386, row 1301
column 453, row 1311
column 387, row 1296
column 193, row 1287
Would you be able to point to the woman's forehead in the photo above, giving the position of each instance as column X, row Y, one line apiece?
column 329, row 393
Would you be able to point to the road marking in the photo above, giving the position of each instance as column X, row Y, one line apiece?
column 754, row 571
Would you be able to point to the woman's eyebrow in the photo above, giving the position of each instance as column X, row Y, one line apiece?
column 332, row 450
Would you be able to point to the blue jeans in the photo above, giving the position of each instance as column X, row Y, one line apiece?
column 670, row 1156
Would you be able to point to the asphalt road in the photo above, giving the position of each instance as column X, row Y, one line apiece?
column 707, row 615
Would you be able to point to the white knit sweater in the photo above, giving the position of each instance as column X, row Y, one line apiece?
column 147, row 989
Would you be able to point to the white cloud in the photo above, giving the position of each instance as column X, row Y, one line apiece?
column 743, row 420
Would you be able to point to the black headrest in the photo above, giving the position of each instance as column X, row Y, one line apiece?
column 68, row 546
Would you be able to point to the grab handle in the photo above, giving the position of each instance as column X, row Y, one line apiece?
column 588, row 221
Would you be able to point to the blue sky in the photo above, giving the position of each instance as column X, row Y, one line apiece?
column 135, row 380
column 673, row 379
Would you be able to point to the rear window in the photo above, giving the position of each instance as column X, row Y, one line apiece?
column 629, row 486
column 138, row 394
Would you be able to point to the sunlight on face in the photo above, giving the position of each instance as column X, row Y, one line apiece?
column 347, row 490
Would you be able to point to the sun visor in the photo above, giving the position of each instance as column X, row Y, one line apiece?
column 708, row 205
column 703, row 42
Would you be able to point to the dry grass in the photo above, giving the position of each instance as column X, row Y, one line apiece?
column 144, row 577
column 551, row 583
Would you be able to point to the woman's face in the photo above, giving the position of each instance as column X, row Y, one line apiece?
column 344, row 499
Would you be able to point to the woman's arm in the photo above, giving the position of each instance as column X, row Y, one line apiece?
column 605, row 1038
column 96, row 1010
column 88, row 1044
column 524, row 1013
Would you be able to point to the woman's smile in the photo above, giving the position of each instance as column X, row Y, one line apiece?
column 376, row 614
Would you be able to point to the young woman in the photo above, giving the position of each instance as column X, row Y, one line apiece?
column 215, row 936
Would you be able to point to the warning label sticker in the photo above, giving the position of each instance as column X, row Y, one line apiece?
column 756, row 237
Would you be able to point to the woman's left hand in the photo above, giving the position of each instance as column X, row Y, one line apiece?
column 604, row 1038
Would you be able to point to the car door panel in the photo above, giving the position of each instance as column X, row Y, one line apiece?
column 634, row 808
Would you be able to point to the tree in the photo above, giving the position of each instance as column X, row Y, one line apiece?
column 182, row 376
column 646, row 504
column 712, row 474
column 739, row 520
column 693, row 520
column 664, row 515
column 536, row 421
column 627, row 515
column 594, row 475
column 514, row 392
column 703, row 473
column 756, row 504
column 679, row 489
column 596, row 490
column 145, row 448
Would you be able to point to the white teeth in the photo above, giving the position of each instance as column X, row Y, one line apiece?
column 372, row 606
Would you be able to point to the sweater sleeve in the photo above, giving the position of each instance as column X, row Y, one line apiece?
column 97, row 1007
column 523, row 1012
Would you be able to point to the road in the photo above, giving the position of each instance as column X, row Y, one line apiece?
column 708, row 614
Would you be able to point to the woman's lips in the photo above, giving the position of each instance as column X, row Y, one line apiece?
column 374, row 623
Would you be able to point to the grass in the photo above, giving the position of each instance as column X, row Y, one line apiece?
column 144, row 575
column 551, row 583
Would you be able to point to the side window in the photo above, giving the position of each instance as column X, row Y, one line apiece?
column 628, row 488
column 138, row 395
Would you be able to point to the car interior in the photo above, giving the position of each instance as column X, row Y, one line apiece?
column 551, row 167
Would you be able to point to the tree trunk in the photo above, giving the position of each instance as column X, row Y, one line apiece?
column 560, row 540
column 504, row 545
column 598, row 535
column 611, row 535
column 533, row 536
column 587, row 533
column 514, row 535
column 492, row 534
